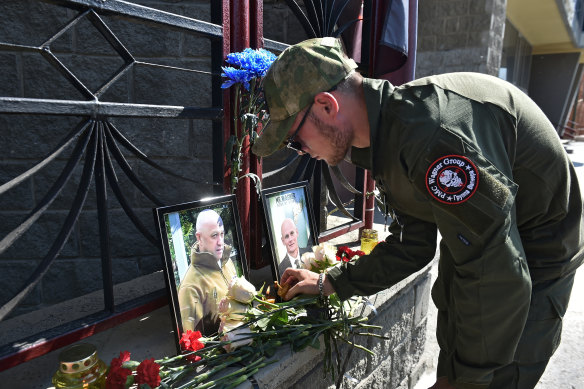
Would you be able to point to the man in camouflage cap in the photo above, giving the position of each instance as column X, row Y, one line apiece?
column 464, row 154
column 292, row 82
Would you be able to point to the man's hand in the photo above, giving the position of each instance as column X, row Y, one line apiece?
column 304, row 281
column 442, row 383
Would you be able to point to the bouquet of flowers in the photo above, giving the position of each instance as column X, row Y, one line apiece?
column 249, row 113
column 252, row 328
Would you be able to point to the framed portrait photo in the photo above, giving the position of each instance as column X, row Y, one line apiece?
column 290, row 224
column 202, row 248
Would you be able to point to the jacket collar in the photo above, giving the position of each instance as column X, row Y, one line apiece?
column 208, row 260
column 374, row 91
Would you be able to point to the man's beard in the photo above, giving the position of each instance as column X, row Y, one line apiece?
column 340, row 140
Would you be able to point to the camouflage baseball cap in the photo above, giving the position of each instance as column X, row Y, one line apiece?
column 298, row 74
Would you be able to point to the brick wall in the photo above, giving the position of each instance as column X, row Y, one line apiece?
column 460, row 35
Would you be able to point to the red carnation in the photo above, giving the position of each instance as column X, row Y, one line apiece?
column 343, row 254
column 147, row 373
column 124, row 357
column 117, row 376
column 193, row 358
column 189, row 341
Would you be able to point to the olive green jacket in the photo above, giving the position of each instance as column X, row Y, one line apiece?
column 473, row 158
column 202, row 288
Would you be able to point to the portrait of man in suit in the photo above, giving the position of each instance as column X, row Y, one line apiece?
column 289, row 237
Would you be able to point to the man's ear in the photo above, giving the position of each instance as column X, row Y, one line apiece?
column 327, row 102
column 198, row 235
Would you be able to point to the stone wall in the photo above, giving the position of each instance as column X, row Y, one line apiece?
column 460, row 35
column 183, row 146
column 180, row 145
column 397, row 362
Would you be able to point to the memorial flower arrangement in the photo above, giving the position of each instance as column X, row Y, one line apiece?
column 252, row 328
column 249, row 108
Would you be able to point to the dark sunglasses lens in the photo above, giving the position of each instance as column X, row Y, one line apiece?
column 295, row 145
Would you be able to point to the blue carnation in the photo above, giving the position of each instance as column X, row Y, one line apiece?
column 234, row 76
column 255, row 62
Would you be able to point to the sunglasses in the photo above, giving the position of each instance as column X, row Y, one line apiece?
column 294, row 144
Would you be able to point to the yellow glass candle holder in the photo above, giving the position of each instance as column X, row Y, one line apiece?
column 80, row 368
column 369, row 239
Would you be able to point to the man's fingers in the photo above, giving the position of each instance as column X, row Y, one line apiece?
column 290, row 273
column 293, row 291
column 302, row 287
column 302, row 281
column 288, row 277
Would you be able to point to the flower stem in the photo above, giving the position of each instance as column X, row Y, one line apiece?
column 202, row 377
column 356, row 345
column 263, row 302
column 235, row 373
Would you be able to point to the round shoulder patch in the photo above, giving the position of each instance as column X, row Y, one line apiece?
column 452, row 179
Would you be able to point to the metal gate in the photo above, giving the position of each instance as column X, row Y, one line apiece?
column 78, row 97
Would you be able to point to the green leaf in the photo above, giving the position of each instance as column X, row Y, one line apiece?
column 263, row 323
column 254, row 312
column 129, row 381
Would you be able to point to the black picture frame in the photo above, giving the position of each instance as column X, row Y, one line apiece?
column 177, row 262
column 290, row 201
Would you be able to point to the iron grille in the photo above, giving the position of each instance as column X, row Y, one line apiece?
column 98, row 158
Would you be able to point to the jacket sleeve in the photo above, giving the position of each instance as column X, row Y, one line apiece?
column 191, row 308
column 389, row 262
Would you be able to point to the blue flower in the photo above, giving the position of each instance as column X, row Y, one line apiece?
column 234, row 76
column 252, row 63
